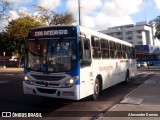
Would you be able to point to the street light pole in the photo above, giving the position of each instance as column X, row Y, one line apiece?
column 79, row 10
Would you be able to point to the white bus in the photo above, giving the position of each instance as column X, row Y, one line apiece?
column 73, row 62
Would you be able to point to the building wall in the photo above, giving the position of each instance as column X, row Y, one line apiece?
column 141, row 33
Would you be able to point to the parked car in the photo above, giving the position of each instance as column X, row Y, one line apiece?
column 138, row 65
column 151, row 64
column 143, row 64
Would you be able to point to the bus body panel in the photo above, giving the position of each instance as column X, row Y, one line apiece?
column 112, row 71
column 50, row 88
column 65, row 93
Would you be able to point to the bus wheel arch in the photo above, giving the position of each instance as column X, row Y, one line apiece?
column 97, row 87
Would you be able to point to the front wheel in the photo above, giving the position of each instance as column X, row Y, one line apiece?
column 96, row 89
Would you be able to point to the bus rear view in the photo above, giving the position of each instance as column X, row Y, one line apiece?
column 51, row 62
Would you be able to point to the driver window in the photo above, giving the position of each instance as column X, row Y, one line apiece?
column 85, row 52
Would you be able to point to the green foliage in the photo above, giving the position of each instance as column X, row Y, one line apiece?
column 19, row 28
column 16, row 32
column 53, row 18
column 157, row 24
column 64, row 18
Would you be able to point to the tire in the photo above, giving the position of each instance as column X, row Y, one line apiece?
column 96, row 90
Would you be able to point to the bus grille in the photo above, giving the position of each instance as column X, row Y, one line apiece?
column 47, row 78
column 48, row 91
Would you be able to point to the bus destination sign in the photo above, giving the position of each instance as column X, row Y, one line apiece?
column 49, row 32
column 46, row 33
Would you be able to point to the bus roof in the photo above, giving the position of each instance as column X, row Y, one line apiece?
column 102, row 35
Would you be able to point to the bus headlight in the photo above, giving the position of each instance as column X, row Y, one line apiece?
column 27, row 80
column 70, row 82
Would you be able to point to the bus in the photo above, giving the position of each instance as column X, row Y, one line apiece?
column 73, row 62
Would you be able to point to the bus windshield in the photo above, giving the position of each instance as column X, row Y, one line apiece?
column 51, row 55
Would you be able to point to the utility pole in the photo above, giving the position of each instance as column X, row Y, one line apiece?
column 79, row 10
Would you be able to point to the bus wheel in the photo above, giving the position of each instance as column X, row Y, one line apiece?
column 127, row 77
column 96, row 89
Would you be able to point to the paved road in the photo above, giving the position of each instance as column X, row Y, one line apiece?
column 13, row 99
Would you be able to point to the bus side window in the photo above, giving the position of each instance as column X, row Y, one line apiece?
column 119, row 50
column 112, row 49
column 95, row 47
column 104, row 48
column 133, row 55
column 124, row 51
column 85, row 52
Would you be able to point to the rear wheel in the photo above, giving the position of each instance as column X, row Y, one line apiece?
column 96, row 89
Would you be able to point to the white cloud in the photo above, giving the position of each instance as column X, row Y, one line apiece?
column 103, row 21
column 23, row 10
column 49, row 4
column 157, row 3
column 3, row 25
column 13, row 15
column 89, row 7
column 88, row 22
column 72, row 6
column 123, row 7
column 102, row 14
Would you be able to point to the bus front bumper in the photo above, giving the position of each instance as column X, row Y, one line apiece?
column 66, row 93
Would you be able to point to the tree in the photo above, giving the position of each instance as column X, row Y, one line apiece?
column 157, row 24
column 53, row 18
column 17, row 31
column 5, row 6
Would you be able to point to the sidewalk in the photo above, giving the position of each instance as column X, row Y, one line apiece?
column 11, row 69
column 143, row 103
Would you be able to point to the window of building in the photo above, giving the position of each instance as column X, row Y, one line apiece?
column 139, row 43
column 128, row 32
column 139, row 37
column 139, row 31
column 129, row 38
column 119, row 33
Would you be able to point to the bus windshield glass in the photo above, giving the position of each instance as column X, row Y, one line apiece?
column 51, row 55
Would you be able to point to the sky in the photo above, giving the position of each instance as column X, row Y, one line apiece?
column 95, row 14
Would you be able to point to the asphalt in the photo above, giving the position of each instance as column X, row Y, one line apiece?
column 143, row 103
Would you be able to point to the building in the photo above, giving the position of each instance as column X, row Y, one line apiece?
column 141, row 33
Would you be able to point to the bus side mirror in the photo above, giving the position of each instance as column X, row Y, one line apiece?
column 80, row 50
